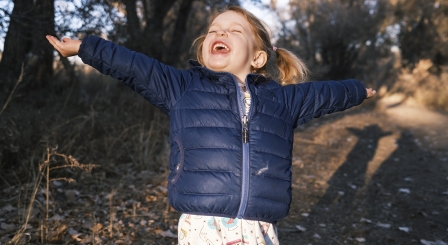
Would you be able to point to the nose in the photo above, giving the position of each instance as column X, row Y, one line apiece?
column 221, row 33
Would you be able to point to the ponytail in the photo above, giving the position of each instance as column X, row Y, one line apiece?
column 291, row 68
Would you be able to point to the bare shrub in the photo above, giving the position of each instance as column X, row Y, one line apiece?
column 422, row 86
column 51, row 161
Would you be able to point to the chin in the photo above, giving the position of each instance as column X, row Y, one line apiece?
column 216, row 67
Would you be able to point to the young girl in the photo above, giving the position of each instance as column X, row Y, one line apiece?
column 231, row 126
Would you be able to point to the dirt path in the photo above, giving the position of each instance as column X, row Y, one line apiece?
column 371, row 176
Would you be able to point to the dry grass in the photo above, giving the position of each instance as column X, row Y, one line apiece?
column 97, row 121
column 51, row 161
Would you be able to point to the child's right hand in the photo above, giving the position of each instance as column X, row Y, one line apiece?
column 68, row 47
column 370, row 93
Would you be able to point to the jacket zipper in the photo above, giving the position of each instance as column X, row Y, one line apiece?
column 245, row 142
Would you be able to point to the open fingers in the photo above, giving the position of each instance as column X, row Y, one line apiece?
column 53, row 40
column 68, row 47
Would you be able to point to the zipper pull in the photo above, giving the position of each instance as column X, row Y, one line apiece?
column 245, row 130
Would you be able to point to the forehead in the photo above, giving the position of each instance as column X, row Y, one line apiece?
column 231, row 17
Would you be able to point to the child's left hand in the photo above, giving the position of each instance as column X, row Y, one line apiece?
column 370, row 93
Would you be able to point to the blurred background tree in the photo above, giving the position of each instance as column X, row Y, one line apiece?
column 25, row 43
column 423, row 31
column 337, row 38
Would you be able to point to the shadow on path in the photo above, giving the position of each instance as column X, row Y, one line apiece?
column 351, row 175
column 404, row 202
column 409, row 192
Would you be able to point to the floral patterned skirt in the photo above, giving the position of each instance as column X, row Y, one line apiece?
column 212, row 230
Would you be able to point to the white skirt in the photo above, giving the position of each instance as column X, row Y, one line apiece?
column 212, row 230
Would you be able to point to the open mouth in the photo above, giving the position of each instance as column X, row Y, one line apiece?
column 220, row 47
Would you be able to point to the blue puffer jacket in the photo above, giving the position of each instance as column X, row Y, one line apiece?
column 213, row 170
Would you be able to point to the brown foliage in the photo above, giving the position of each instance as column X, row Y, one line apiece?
column 423, row 86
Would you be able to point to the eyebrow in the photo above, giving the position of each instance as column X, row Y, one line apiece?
column 233, row 23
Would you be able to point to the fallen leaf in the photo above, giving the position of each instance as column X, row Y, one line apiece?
column 57, row 183
column 300, row 228
column 71, row 231
column 365, row 220
column 383, row 225
column 57, row 217
column 405, row 229
column 168, row 233
column 71, row 195
column 75, row 237
column 437, row 242
column 8, row 227
column 97, row 227
column 8, row 208
column 88, row 224
column 163, row 189
column 360, row 239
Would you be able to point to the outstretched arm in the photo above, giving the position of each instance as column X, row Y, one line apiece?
column 67, row 47
column 315, row 99
column 160, row 84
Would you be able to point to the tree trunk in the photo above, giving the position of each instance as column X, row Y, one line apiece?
column 17, row 43
column 40, row 72
column 173, row 53
column 133, row 26
column 155, row 13
column 25, row 43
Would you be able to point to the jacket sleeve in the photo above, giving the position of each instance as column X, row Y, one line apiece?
column 160, row 84
column 314, row 99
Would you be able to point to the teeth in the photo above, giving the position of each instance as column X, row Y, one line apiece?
column 220, row 46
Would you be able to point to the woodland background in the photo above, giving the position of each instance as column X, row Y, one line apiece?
column 62, row 122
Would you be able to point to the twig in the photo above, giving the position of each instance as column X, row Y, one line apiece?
column 111, row 213
column 13, row 90
column 47, row 192
column 4, row 180
column 16, row 239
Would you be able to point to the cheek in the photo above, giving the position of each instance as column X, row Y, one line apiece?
column 204, row 50
column 203, row 54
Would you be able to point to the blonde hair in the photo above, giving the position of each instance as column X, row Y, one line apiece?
column 291, row 68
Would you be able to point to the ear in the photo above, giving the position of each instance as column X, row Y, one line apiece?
column 260, row 59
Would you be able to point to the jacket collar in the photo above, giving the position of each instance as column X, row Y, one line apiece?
column 252, row 78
